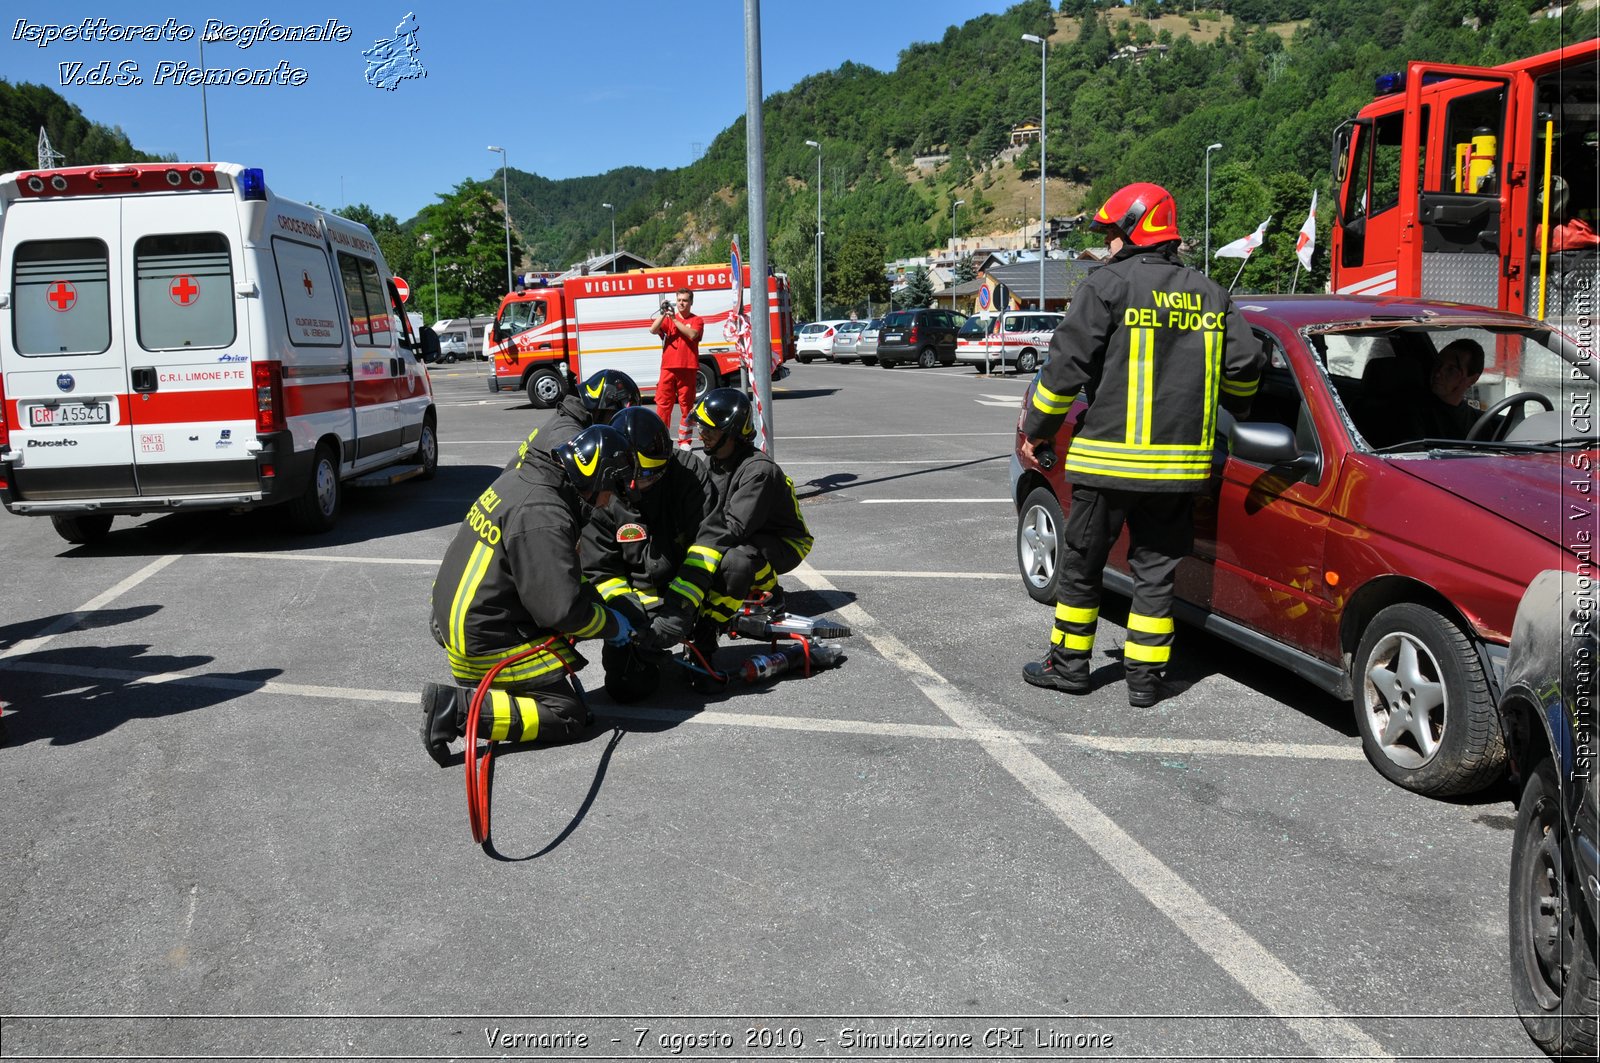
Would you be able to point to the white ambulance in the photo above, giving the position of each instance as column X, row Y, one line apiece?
column 175, row 336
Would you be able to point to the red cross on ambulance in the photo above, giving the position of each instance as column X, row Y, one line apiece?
column 183, row 290
column 63, row 295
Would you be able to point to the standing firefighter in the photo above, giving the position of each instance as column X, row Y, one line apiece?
column 600, row 398
column 510, row 582
column 1153, row 346
column 755, row 534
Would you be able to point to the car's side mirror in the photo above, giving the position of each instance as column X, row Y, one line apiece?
column 1270, row 444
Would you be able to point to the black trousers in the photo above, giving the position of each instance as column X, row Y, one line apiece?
column 752, row 566
column 550, row 712
column 1160, row 533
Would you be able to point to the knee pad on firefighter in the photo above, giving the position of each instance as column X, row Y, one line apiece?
column 549, row 714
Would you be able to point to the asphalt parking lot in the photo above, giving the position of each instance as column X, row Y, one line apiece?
column 222, row 837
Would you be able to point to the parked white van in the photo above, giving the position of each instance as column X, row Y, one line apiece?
column 1019, row 338
column 176, row 336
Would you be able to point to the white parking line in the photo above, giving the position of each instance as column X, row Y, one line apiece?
column 1246, row 961
column 909, row 501
column 1204, row 746
column 70, row 620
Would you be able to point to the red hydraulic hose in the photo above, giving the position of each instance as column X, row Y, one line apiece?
column 478, row 775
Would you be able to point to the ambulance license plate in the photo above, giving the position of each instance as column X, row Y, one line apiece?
column 68, row 413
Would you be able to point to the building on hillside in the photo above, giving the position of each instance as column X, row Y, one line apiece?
column 1024, row 133
column 620, row 262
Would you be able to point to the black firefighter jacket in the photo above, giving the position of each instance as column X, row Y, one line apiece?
column 510, row 579
column 1154, row 347
column 755, row 500
column 633, row 549
column 570, row 418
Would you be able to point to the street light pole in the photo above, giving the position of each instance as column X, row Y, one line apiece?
column 435, row 251
column 953, row 207
column 613, row 210
column 1209, row 149
column 505, row 203
column 1033, row 39
column 815, row 144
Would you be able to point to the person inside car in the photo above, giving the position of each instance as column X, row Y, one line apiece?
column 1444, row 412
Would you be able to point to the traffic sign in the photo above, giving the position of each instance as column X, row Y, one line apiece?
column 403, row 288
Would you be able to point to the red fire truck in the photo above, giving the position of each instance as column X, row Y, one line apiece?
column 1476, row 185
column 547, row 337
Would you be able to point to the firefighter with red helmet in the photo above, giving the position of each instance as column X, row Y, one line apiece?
column 755, row 534
column 1153, row 346
column 599, row 399
column 510, row 581
column 632, row 548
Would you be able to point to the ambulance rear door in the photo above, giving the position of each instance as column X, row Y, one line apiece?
column 191, row 400
column 61, row 349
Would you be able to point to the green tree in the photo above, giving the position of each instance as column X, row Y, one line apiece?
column 467, row 230
column 918, row 291
column 858, row 276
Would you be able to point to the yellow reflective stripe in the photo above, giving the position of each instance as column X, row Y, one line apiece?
column 471, row 577
column 475, row 667
column 1197, row 471
column 1134, row 651
column 646, row 596
column 801, row 546
column 1208, row 424
column 1073, row 614
column 499, row 715
column 724, row 601
column 612, row 587
column 703, row 557
column 1071, row 642
column 1118, row 449
column 1150, row 625
column 687, row 590
column 1243, row 389
column 1141, row 367
column 595, row 625
column 1048, row 402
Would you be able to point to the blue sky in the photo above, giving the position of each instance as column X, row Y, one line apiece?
column 568, row 89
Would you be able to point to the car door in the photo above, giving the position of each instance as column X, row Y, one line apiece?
column 1261, row 535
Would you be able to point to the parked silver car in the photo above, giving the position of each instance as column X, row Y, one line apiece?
column 845, row 339
column 867, row 342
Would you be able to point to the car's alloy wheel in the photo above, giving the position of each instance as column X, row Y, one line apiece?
column 1422, row 703
column 1553, row 977
column 1027, row 361
column 1039, row 527
column 928, row 358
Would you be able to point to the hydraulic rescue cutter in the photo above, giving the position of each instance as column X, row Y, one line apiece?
column 796, row 645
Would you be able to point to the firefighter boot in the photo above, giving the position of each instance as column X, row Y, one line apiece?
column 1145, row 687
column 1070, row 678
column 444, row 710
column 631, row 675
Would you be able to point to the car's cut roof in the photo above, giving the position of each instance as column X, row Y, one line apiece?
column 1304, row 311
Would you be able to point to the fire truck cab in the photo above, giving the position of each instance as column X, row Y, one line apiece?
column 175, row 336
column 1476, row 185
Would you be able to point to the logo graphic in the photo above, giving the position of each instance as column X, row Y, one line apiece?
column 305, row 279
column 393, row 61
column 632, row 533
column 65, row 382
column 183, row 290
column 63, row 296
column 34, row 442
column 587, row 468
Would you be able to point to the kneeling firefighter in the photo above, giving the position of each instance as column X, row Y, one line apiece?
column 599, row 399
column 510, row 583
column 755, row 533
column 632, row 548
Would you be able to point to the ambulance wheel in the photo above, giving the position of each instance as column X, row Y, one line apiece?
column 546, row 388
column 317, row 508
column 428, row 450
column 84, row 530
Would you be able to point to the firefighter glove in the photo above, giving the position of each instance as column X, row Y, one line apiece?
column 624, row 634
column 670, row 628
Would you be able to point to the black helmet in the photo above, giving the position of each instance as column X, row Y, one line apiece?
column 597, row 459
column 648, row 437
column 607, row 392
column 728, row 411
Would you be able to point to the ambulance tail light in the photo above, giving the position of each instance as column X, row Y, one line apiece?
column 252, row 184
column 269, row 397
column 5, row 432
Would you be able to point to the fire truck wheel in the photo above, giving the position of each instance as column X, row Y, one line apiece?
column 546, row 388
column 428, row 451
column 85, row 530
column 704, row 380
column 317, row 508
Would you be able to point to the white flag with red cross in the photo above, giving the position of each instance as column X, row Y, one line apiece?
column 1242, row 247
column 1306, row 243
